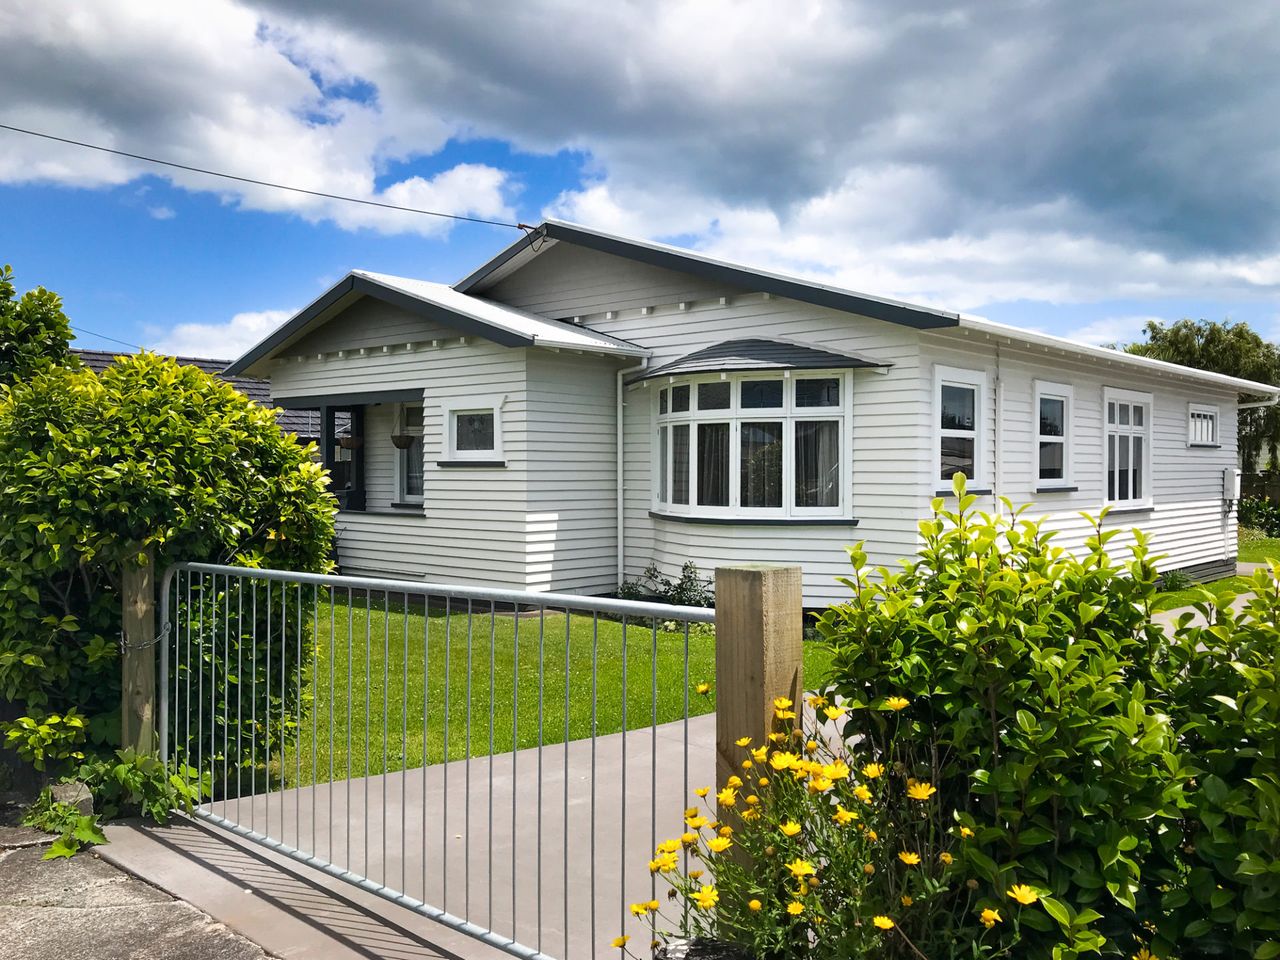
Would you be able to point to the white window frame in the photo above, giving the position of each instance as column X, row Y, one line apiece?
column 1117, row 395
column 788, row 415
column 401, row 455
column 960, row 377
column 454, row 407
column 1203, row 409
column 1045, row 389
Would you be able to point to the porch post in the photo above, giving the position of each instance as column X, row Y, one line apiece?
column 138, row 659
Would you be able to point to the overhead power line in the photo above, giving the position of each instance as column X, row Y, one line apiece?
column 261, row 183
column 103, row 336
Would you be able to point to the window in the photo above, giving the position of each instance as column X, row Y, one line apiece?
column 1128, row 447
column 1202, row 425
column 959, row 420
column 475, row 433
column 410, row 474
column 1053, row 431
column 753, row 446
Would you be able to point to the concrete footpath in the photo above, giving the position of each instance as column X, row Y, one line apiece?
column 86, row 909
column 520, row 844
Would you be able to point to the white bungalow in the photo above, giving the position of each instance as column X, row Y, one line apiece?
column 584, row 404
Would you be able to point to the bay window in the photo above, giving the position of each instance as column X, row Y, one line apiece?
column 1128, row 449
column 753, row 446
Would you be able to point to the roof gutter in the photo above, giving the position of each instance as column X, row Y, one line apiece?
column 1255, row 404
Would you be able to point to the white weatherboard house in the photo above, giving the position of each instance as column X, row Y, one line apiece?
column 584, row 404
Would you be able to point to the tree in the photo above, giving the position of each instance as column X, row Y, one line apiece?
column 95, row 468
column 34, row 332
column 1232, row 349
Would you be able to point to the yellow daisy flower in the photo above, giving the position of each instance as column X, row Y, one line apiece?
column 884, row 923
column 897, row 703
column 789, row 828
column 909, row 858
column 1023, row 894
column 921, row 791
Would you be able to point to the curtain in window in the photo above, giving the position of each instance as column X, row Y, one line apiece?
column 680, row 463
column 761, row 468
column 817, row 463
column 713, row 464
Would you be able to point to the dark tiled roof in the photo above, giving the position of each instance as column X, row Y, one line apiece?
column 758, row 354
column 305, row 423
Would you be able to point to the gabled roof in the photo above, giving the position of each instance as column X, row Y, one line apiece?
column 709, row 268
column 438, row 302
column 305, row 423
column 759, row 354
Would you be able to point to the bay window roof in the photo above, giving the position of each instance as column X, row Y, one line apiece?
column 758, row 354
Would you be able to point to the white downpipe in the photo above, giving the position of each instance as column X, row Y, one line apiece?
column 621, row 507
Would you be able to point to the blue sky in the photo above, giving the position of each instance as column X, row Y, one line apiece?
column 1074, row 168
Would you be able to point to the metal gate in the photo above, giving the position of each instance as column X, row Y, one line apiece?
column 495, row 760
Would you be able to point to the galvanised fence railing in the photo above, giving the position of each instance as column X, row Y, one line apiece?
column 496, row 760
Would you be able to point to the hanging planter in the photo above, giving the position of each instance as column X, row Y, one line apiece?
column 351, row 443
column 403, row 441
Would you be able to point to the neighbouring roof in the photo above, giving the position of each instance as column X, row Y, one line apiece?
column 758, row 354
column 442, row 304
column 305, row 423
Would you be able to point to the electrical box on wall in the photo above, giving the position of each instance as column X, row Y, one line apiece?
column 1231, row 483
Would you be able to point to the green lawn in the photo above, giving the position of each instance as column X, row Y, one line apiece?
column 1257, row 548
column 1181, row 598
column 393, row 661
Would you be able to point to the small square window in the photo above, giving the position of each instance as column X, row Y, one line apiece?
column 818, row 393
column 475, row 434
column 680, row 399
column 714, row 396
column 762, row 394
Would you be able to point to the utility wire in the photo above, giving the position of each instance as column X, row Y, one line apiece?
column 103, row 336
column 262, row 183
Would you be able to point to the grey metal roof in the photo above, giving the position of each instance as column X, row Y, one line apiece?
column 697, row 264
column 758, row 354
column 441, row 303
column 305, row 423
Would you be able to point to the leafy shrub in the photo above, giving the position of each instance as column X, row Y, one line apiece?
column 44, row 739
column 1259, row 514
column 129, row 783
column 95, row 468
column 74, row 829
column 690, row 589
column 1035, row 710
column 34, row 332
column 1172, row 580
column 828, row 856
column 1222, row 883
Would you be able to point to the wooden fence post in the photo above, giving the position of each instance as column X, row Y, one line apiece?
column 138, row 659
column 759, row 632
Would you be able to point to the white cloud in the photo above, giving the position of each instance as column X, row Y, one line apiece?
column 206, row 84
column 218, row 340
column 1117, row 330
column 161, row 213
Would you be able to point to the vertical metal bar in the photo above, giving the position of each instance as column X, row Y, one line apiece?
column 444, row 795
column 226, row 688
column 350, row 664
column 426, row 686
column 595, row 654
column 253, row 727
column 386, row 701
column 515, row 750
column 297, row 760
column 266, row 805
column 622, row 834
column 200, row 684
column 284, row 677
column 186, row 740
column 565, row 825
column 404, row 752
column 368, row 707
column 653, row 754
column 239, row 695
column 315, row 704
column 685, row 794
column 466, row 817
column 332, row 654
column 542, row 633
column 493, row 632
